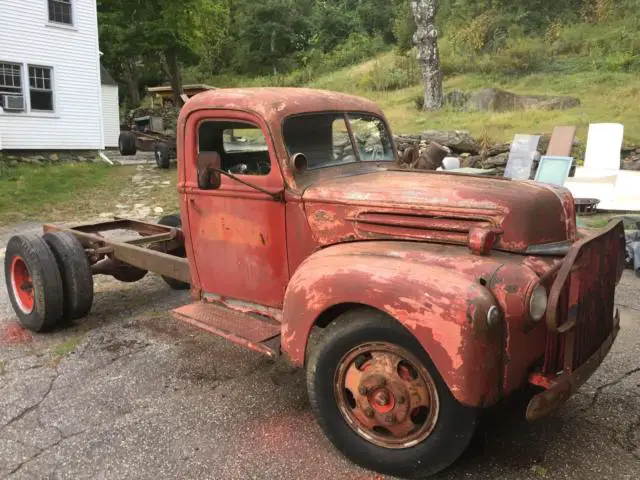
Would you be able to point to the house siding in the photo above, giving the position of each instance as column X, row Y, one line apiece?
column 27, row 38
column 110, row 115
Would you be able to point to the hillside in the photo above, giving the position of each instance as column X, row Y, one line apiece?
column 605, row 97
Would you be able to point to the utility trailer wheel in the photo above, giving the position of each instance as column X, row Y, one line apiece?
column 77, row 279
column 381, row 401
column 161, row 153
column 174, row 221
column 127, row 143
column 33, row 282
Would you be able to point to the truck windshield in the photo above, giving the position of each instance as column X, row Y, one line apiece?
column 326, row 141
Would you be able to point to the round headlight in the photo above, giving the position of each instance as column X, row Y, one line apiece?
column 538, row 303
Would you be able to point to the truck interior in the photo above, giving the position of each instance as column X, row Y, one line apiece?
column 241, row 146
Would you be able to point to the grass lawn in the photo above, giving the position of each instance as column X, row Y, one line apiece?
column 74, row 191
column 605, row 97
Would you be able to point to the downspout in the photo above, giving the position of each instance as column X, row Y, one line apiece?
column 99, row 54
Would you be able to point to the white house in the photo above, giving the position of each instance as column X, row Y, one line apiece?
column 52, row 95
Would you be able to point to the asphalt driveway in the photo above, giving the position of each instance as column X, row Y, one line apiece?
column 131, row 393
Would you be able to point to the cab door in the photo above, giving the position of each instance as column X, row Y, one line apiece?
column 237, row 233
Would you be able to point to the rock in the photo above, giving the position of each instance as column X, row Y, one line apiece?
column 498, row 100
column 106, row 215
column 80, row 158
column 158, row 210
column 494, row 150
column 54, row 157
column 471, row 161
column 456, row 99
column 632, row 161
column 499, row 160
column 557, row 103
column 458, row 141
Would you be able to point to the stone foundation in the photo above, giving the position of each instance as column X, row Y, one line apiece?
column 14, row 158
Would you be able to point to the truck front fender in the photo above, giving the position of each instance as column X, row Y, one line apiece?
column 443, row 307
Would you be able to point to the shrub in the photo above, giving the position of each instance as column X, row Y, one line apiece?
column 400, row 72
column 521, row 56
column 485, row 33
column 357, row 48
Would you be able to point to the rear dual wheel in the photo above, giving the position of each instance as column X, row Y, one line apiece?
column 48, row 279
column 381, row 401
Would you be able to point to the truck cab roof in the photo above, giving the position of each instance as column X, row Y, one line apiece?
column 276, row 104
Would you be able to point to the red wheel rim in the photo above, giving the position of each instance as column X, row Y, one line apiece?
column 386, row 395
column 22, row 285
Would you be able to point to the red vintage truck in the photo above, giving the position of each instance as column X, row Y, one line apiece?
column 413, row 299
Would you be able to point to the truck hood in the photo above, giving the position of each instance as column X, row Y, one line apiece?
column 516, row 216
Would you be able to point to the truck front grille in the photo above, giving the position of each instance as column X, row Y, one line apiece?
column 580, row 313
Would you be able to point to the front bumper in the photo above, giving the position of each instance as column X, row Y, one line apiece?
column 558, row 389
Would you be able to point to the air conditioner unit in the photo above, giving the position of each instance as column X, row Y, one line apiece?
column 13, row 102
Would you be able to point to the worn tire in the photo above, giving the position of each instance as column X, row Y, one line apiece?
column 175, row 221
column 28, row 258
column 127, row 143
column 455, row 423
column 75, row 270
column 161, row 153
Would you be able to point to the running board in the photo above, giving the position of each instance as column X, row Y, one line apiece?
column 250, row 331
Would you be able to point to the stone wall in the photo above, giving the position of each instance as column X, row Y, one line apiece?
column 14, row 158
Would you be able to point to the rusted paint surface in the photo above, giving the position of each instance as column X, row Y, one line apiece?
column 581, row 300
column 246, row 330
column 434, row 291
column 558, row 389
column 420, row 201
column 236, row 239
column 300, row 241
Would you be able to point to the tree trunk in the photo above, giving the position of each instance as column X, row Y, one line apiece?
column 426, row 40
column 173, row 70
column 133, row 84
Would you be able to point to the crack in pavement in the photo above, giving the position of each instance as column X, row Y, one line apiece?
column 42, row 451
column 632, row 445
column 601, row 388
column 33, row 407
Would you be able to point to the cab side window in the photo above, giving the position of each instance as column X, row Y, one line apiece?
column 241, row 146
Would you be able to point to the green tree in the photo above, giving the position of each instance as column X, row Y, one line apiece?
column 268, row 33
column 135, row 33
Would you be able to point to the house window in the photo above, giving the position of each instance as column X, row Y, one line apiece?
column 40, row 88
column 10, row 80
column 60, row 11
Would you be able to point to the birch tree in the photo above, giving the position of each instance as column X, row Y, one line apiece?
column 426, row 41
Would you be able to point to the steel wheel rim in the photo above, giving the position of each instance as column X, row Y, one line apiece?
column 22, row 285
column 386, row 395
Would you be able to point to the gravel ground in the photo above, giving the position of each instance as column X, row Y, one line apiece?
column 131, row 393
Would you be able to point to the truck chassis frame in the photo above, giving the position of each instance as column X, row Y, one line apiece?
column 147, row 250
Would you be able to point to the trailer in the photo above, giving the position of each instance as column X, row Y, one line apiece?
column 147, row 134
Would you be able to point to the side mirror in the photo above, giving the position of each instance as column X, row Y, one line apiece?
column 208, row 168
column 299, row 162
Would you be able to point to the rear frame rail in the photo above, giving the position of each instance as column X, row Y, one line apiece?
column 147, row 251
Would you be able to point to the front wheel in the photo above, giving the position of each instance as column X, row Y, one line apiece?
column 380, row 400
